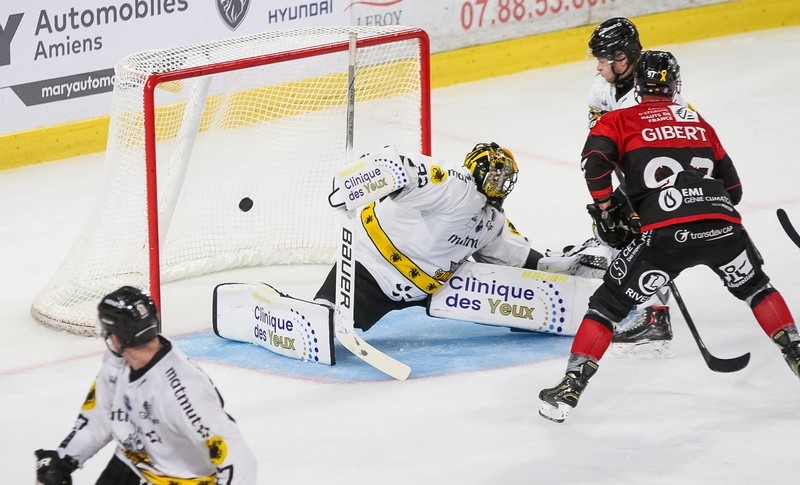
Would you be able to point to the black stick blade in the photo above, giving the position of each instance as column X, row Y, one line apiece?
column 714, row 363
column 783, row 218
column 727, row 365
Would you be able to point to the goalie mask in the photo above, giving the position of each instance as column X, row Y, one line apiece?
column 657, row 74
column 129, row 314
column 494, row 170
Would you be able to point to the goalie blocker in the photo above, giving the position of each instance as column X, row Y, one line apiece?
column 369, row 178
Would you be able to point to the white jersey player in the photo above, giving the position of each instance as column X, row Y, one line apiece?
column 616, row 46
column 411, row 241
column 163, row 412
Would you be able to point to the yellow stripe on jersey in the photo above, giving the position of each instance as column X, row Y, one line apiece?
column 161, row 480
column 400, row 261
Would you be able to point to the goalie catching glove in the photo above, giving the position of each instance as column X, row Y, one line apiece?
column 52, row 469
column 616, row 225
column 370, row 178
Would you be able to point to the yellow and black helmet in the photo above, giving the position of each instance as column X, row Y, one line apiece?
column 494, row 170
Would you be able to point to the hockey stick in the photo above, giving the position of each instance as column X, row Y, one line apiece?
column 783, row 218
column 345, row 263
column 714, row 363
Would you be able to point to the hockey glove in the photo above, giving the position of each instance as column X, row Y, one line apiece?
column 53, row 470
column 615, row 225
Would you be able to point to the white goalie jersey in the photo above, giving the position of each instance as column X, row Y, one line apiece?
column 413, row 240
column 168, row 423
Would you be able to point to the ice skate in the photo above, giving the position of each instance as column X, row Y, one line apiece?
column 790, row 350
column 650, row 334
column 558, row 400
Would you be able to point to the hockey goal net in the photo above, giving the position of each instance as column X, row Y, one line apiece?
column 221, row 155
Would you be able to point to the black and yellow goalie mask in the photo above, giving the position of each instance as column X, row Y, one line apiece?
column 494, row 170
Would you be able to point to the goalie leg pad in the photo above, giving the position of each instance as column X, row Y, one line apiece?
column 518, row 298
column 259, row 314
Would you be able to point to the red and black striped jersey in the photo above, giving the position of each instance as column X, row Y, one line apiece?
column 653, row 144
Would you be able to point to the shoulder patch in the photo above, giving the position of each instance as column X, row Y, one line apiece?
column 217, row 450
column 90, row 402
column 438, row 175
column 683, row 113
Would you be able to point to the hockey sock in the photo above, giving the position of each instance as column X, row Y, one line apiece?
column 592, row 339
column 773, row 314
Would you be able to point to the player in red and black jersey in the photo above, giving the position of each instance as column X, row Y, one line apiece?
column 683, row 186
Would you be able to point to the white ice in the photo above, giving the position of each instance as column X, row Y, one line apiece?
column 663, row 421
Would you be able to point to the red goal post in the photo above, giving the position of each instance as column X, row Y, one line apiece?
column 220, row 155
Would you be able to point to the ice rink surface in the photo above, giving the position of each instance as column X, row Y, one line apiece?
column 663, row 421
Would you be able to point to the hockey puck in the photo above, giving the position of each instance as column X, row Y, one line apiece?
column 246, row 204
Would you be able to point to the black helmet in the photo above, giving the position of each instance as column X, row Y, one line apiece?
column 657, row 74
column 129, row 314
column 614, row 36
column 494, row 170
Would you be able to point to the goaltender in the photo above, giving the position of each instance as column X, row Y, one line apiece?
column 410, row 242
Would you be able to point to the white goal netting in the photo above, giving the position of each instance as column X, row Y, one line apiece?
column 221, row 155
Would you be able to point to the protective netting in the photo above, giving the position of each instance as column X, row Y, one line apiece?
column 259, row 118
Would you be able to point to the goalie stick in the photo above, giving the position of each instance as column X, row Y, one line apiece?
column 716, row 364
column 345, row 263
column 783, row 218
